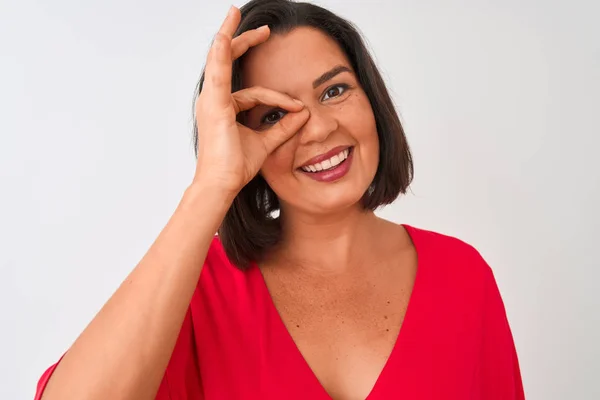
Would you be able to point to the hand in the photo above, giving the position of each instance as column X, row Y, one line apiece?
column 229, row 153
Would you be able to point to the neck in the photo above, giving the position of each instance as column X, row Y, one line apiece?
column 327, row 244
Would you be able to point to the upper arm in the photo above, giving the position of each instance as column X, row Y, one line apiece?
column 500, row 373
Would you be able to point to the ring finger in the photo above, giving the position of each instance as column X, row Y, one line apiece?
column 249, row 39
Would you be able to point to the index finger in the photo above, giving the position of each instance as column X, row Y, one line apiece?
column 217, row 75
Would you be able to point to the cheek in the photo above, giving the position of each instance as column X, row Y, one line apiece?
column 360, row 120
column 364, row 130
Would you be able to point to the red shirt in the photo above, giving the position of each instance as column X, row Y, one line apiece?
column 455, row 342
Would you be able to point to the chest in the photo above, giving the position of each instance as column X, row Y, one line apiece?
column 345, row 328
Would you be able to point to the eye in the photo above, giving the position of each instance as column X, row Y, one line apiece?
column 334, row 91
column 273, row 117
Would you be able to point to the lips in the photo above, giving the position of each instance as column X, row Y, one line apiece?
column 325, row 156
column 332, row 174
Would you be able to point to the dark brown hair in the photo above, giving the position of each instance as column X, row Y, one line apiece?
column 249, row 228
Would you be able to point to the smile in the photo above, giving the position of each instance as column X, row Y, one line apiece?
column 330, row 169
column 329, row 163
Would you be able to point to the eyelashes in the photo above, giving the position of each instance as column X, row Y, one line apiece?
column 332, row 92
column 268, row 120
column 333, row 88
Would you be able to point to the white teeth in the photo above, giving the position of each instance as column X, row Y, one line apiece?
column 327, row 164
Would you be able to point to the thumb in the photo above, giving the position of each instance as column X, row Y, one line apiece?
column 284, row 129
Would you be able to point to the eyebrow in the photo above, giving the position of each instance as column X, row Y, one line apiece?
column 329, row 75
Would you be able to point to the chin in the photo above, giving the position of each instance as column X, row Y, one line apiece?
column 328, row 201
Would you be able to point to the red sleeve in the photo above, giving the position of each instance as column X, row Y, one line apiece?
column 44, row 381
column 163, row 391
column 182, row 377
column 500, row 373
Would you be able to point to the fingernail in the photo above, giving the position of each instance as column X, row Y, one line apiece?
column 262, row 28
column 299, row 102
column 231, row 10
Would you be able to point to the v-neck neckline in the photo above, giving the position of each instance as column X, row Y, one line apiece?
column 394, row 356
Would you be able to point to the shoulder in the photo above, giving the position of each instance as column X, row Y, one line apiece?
column 219, row 275
column 217, row 261
column 450, row 258
column 216, row 252
column 440, row 243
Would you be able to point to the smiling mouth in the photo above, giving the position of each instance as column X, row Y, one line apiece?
column 330, row 164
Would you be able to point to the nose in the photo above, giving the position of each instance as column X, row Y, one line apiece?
column 319, row 126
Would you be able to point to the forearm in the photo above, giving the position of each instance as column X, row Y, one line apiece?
column 124, row 351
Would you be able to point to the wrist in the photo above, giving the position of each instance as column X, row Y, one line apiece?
column 213, row 196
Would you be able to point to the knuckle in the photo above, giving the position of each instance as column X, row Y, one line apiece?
column 220, row 39
column 218, row 45
column 217, row 79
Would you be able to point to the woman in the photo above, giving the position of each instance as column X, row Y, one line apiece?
column 324, row 300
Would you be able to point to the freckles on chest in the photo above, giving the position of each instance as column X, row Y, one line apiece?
column 322, row 315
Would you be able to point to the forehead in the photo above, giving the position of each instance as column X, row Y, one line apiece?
column 290, row 62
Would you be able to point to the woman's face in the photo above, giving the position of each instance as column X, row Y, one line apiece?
column 308, row 65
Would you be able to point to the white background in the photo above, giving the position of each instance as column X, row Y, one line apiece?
column 500, row 101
